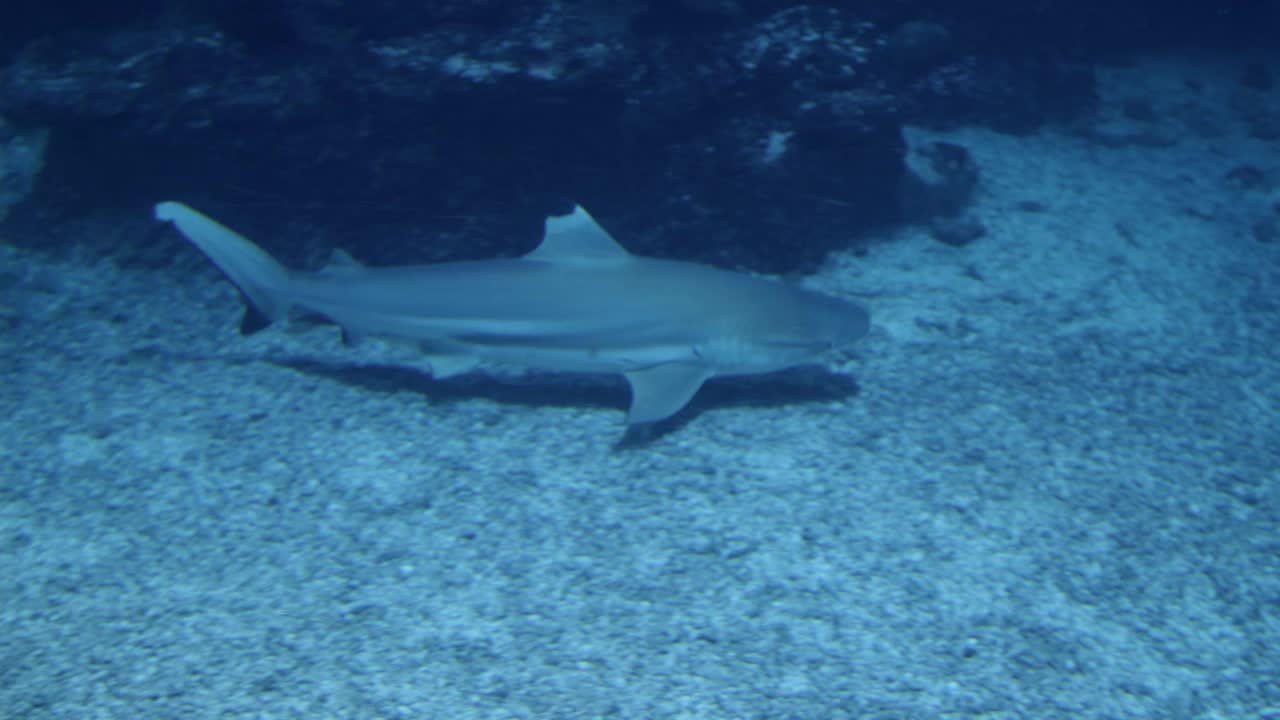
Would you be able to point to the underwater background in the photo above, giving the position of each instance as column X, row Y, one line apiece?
column 1045, row 485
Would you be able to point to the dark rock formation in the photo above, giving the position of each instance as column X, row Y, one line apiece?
column 752, row 134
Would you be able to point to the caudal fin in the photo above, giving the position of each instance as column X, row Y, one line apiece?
column 263, row 281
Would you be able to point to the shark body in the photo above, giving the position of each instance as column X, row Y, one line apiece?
column 577, row 303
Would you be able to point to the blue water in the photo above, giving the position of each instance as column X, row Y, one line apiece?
column 1046, row 484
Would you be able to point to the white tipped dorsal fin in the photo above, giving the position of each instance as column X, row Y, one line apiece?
column 577, row 237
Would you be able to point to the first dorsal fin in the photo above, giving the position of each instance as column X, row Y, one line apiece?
column 577, row 237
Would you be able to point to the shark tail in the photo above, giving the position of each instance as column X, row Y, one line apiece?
column 263, row 281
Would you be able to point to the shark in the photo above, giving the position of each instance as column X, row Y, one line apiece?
column 578, row 303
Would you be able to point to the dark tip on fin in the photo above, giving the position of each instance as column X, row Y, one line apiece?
column 351, row 339
column 253, row 321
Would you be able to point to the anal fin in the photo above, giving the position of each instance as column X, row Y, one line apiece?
column 450, row 365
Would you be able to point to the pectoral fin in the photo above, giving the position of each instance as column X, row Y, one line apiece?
column 660, row 391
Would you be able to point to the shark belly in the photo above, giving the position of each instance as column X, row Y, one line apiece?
column 582, row 339
column 584, row 359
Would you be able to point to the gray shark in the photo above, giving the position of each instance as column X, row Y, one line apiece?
column 578, row 303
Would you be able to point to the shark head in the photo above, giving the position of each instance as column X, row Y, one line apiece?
column 793, row 326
